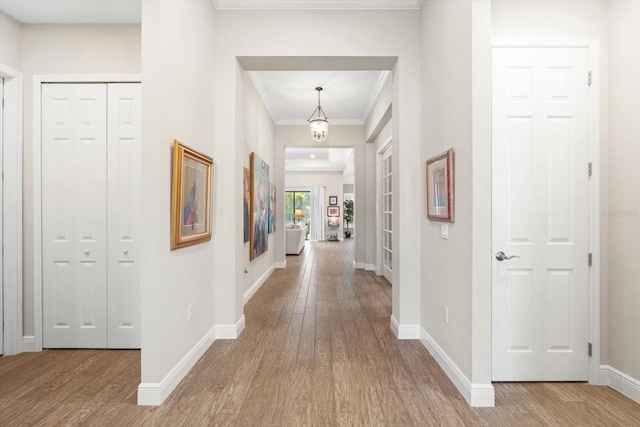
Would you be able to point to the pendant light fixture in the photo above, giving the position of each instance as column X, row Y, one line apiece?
column 319, row 122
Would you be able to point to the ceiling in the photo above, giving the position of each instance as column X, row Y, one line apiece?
column 347, row 96
column 317, row 159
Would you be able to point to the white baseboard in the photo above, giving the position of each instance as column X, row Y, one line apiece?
column 358, row 265
column 153, row 394
column 370, row 267
column 254, row 288
column 281, row 264
column 395, row 326
column 476, row 395
column 229, row 332
column 405, row 332
column 620, row 381
column 28, row 343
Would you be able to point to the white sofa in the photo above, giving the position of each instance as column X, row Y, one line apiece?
column 295, row 236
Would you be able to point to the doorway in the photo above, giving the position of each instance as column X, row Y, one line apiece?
column 542, row 202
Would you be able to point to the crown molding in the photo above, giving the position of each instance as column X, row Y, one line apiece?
column 262, row 94
column 332, row 122
column 317, row 4
column 375, row 94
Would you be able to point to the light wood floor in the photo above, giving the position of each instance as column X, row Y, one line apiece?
column 317, row 350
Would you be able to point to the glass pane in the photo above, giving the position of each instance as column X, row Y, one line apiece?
column 288, row 206
column 294, row 200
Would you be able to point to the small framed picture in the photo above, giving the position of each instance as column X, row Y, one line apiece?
column 333, row 211
column 440, row 186
column 190, row 197
column 333, row 200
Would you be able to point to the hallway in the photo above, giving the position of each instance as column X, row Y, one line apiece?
column 317, row 350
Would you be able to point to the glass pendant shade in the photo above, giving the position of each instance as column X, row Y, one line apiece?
column 319, row 128
column 319, row 124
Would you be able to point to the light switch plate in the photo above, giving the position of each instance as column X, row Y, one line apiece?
column 444, row 231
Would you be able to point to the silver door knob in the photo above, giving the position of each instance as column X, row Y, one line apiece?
column 125, row 251
column 500, row 256
column 86, row 252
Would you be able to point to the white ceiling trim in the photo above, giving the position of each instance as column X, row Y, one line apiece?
column 318, row 4
column 375, row 94
column 258, row 84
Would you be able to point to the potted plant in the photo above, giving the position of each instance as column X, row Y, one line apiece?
column 348, row 216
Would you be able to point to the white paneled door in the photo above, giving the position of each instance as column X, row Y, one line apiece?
column 540, row 214
column 123, row 219
column 89, row 182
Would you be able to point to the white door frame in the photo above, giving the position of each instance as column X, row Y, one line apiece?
column 12, row 209
column 383, row 147
column 38, row 80
column 592, row 45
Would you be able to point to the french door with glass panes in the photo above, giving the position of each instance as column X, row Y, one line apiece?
column 387, row 213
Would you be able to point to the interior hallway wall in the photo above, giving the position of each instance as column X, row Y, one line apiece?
column 10, row 41
column 623, row 209
column 178, row 103
column 259, row 136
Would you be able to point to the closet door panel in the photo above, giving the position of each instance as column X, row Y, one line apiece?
column 123, row 201
column 74, row 215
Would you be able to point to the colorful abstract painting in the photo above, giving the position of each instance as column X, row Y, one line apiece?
column 272, row 208
column 246, row 203
column 259, row 230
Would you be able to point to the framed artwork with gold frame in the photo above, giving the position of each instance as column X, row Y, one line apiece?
column 190, row 196
column 440, row 186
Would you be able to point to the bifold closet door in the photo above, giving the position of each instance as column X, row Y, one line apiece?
column 123, row 219
column 74, row 215
column 91, row 136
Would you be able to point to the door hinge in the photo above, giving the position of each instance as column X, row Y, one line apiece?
column 590, row 350
column 590, row 168
column 590, row 259
column 589, row 78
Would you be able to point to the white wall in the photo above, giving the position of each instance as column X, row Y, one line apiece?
column 10, row 38
column 288, row 34
column 178, row 103
column 333, row 183
column 446, row 94
column 623, row 212
column 64, row 49
column 259, row 136
column 456, row 107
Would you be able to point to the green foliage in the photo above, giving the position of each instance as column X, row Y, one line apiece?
column 297, row 200
column 348, row 212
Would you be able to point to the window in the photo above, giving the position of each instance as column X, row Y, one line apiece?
column 297, row 200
